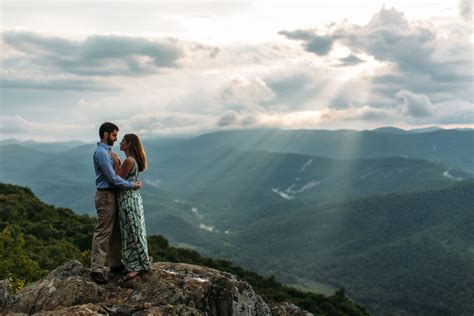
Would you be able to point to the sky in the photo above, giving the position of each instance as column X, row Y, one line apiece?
column 177, row 68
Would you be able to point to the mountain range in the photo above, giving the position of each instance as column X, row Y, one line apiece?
column 319, row 209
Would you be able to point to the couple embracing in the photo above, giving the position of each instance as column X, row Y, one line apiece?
column 119, row 239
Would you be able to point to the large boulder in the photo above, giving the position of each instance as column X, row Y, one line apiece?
column 168, row 289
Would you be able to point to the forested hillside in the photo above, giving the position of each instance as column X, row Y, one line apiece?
column 398, row 253
column 36, row 238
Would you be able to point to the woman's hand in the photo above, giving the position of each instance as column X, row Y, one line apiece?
column 116, row 160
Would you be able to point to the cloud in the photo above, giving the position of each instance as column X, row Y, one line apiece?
column 55, row 84
column 454, row 112
column 302, row 86
column 99, row 55
column 465, row 10
column 415, row 105
column 414, row 48
column 294, row 86
column 414, row 110
column 315, row 43
column 368, row 113
column 363, row 114
column 287, row 119
column 240, row 119
column 245, row 93
column 351, row 60
column 422, row 66
column 228, row 118
column 387, row 85
column 389, row 71
column 166, row 123
column 389, row 19
column 16, row 126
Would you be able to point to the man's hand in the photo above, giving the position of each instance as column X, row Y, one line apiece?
column 138, row 185
column 116, row 159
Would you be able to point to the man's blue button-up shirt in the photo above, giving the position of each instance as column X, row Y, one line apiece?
column 106, row 178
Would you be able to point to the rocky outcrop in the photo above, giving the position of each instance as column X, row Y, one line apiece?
column 288, row 309
column 168, row 289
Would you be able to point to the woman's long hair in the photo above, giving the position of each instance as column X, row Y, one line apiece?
column 137, row 151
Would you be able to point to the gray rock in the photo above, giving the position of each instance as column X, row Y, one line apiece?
column 3, row 294
column 288, row 309
column 168, row 289
column 70, row 268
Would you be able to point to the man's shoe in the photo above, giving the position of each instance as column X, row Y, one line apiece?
column 117, row 270
column 98, row 278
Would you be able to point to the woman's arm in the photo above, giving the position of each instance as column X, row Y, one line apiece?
column 126, row 167
column 102, row 158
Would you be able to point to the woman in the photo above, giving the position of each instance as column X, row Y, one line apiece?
column 132, row 221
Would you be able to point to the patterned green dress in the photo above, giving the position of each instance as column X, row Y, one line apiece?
column 132, row 225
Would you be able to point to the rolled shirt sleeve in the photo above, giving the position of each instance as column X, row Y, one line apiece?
column 108, row 171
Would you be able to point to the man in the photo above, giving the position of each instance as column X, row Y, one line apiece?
column 107, row 241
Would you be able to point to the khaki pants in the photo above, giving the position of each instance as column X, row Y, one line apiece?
column 107, row 241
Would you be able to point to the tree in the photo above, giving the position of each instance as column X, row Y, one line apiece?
column 13, row 258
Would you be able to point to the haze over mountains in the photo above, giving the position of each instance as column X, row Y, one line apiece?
column 384, row 213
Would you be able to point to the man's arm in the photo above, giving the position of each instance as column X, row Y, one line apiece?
column 109, row 172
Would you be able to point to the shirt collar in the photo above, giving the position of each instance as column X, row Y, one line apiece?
column 101, row 144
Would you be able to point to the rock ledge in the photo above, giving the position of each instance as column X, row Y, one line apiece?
column 168, row 289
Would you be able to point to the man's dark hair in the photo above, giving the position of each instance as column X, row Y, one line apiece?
column 107, row 127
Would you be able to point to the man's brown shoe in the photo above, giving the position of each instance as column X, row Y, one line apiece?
column 117, row 270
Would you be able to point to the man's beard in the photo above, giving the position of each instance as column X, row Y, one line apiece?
column 110, row 142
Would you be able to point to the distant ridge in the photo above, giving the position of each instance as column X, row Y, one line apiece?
column 396, row 130
column 45, row 147
column 426, row 129
column 390, row 130
column 9, row 141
